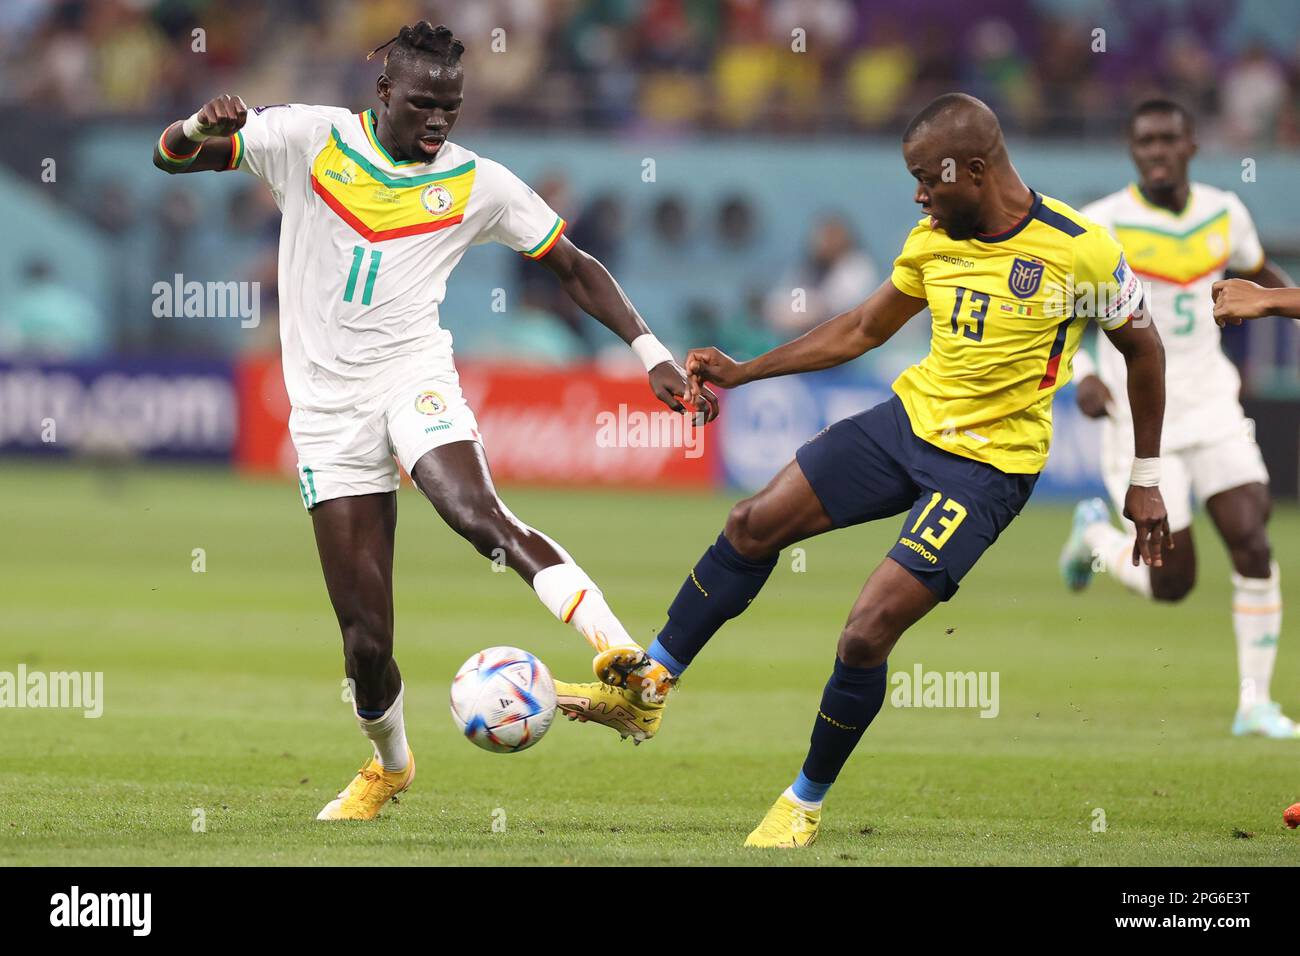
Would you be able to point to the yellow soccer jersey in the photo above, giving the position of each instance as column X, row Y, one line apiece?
column 1007, row 312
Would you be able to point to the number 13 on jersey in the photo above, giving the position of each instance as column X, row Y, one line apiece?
column 953, row 514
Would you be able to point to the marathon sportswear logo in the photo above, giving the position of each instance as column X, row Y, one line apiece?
column 430, row 403
column 954, row 260
column 1025, row 277
column 74, row 909
column 71, row 690
column 920, row 549
column 942, row 689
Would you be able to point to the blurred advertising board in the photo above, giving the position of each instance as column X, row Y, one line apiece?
column 152, row 408
column 542, row 425
column 764, row 423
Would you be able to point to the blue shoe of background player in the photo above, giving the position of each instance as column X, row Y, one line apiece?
column 1264, row 720
column 1076, row 556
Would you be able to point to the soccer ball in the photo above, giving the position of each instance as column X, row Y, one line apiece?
column 503, row 699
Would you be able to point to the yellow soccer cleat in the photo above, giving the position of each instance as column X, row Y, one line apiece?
column 629, row 666
column 787, row 825
column 370, row 789
column 623, row 710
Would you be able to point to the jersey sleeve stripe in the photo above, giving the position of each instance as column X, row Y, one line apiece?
column 175, row 159
column 543, row 247
column 1059, row 222
column 236, row 151
column 1054, row 356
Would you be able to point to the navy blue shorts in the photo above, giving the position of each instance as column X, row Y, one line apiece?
column 872, row 465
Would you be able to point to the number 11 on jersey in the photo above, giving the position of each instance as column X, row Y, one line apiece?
column 359, row 253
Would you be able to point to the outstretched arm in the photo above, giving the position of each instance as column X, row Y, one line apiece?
column 202, row 142
column 832, row 343
column 1144, row 355
column 588, row 283
column 1236, row 300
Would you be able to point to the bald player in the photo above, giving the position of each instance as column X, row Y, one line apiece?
column 1011, row 277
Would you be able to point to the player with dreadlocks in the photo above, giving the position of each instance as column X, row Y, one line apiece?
column 378, row 208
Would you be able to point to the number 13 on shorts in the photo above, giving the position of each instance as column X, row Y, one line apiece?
column 946, row 521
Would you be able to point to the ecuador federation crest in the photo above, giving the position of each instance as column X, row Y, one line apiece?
column 1026, row 276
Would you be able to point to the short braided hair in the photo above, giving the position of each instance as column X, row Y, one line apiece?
column 422, row 40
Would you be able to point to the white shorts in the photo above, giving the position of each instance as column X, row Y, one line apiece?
column 1199, row 470
column 351, row 452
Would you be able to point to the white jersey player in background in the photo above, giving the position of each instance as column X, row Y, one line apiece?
column 1181, row 237
column 378, row 209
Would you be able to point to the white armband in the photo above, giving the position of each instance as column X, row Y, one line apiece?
column 650, row 351
column 1146, row 472
column 193, row 130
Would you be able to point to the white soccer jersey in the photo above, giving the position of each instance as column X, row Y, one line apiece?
column 1179, row 256
column 367, row 244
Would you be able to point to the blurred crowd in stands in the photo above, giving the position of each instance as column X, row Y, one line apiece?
column 1052, row 68
column 1049, row 67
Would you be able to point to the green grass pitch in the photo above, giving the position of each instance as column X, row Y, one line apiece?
column 223, row 695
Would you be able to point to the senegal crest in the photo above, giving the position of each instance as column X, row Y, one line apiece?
column 436, row 198
column 430, row 403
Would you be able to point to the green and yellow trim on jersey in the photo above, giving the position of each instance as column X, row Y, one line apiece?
column 1136, row 193
column 307, row 487
column 369, row 124
column 551, row 238
column 1179, row 257
column 379, row 206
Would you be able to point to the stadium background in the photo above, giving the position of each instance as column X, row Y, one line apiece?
column 711, row 167
column 771, row 171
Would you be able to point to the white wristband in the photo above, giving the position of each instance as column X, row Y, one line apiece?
column 193, row 130
column 1146, row 472
column 650, row 351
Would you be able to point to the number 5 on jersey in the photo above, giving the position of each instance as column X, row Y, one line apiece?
column 359, row 253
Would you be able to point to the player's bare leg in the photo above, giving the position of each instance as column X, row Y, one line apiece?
column 458, row 482
column 720, row 586
column 1176, row 576
column 890, row 602
column 355, row 536
column 1241, row 517
column 1095, row 544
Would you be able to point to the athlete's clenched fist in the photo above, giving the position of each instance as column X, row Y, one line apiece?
column 221, row 116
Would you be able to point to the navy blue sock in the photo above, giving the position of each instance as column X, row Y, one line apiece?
column 851, row 700
column 720, row 587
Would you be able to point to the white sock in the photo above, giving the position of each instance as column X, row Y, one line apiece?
column 1115, row 549
column 573, row 597
column 806, row 804
column 1257, row 620
column 388, row 734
